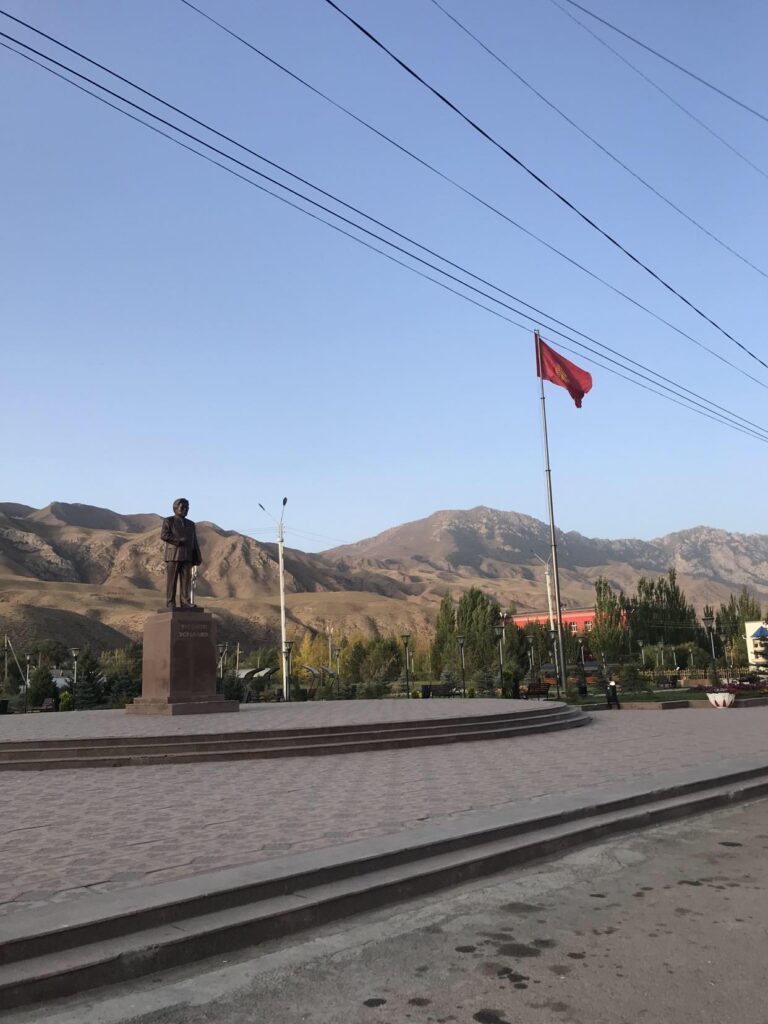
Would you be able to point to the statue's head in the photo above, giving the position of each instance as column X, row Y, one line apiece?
column 181, row 507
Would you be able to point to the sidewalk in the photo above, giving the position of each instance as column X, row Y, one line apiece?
column 87, row 831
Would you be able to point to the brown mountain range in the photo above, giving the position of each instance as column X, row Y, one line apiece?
column 90, row 575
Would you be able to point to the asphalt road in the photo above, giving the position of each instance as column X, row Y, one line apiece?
column 665, row 926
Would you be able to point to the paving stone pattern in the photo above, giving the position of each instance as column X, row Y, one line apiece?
column 73, row 832
column 251, row 717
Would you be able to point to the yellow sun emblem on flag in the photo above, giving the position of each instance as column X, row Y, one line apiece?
column 561, row 374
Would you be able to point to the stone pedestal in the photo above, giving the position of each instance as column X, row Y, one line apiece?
column 179, row 668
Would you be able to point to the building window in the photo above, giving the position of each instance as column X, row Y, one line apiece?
column 573, row 627
column 588, row 627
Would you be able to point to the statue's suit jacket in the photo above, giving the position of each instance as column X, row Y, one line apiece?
column 174, row 530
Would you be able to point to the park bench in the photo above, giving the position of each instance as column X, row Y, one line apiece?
column 538, row 690
column 440, row 690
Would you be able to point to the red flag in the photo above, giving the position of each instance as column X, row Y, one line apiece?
column 553, row 367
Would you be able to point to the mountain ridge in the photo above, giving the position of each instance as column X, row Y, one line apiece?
column 103, row 571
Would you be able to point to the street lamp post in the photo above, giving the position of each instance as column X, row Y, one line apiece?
column 553, row 639
column 26, row 686
column 709, row 621
column 221, row 649
column 281, row 568
column 460, row 641
column 406, row 639
column 725, row 654
column 642, row 651
column 529, row 639
column 287, row 662
column 74, row 651
column 500, row 638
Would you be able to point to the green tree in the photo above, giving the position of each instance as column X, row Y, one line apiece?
column 608, row 636
column 444, row 647
column 476, row 617
column 90, row 680
column 121, row 673
column 42, row 687
column 730, row 624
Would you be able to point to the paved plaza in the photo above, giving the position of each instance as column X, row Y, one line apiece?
column 66, row 834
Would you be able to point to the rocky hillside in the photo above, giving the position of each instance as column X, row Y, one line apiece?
column 92, row 575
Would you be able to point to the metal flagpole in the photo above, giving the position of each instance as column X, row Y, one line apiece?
column 560, row 669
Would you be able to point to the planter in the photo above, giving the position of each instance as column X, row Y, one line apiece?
column 721, row 699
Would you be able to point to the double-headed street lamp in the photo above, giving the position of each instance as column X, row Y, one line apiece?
column 406, row 637
column 460, row 641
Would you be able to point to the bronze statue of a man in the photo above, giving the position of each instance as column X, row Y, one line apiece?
column 181, row 553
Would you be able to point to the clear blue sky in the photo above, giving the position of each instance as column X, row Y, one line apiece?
column 166, row 329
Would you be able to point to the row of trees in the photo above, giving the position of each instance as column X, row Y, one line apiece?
column 111, row 678
column 658, row 615
column 642, row 627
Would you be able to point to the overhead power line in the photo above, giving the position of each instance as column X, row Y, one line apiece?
column 466, row 191
column 673, row 63
column 705, row 407
column 659, row 89
column 603, row 149
column 541, row 181
column 300, row 179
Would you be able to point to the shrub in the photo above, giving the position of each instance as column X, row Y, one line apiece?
column 65, row 701
column 42, row 687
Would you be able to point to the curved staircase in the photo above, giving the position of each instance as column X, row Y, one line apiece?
column 126, row 751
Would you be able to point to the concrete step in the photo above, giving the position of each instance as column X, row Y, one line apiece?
column 526, row 709
column 35, row 758
column 61, row 961
column 138, row 744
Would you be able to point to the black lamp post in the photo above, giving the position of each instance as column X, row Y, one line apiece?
column 406, row 638
column 529, row 638
column 709, row 621
column 725, row 653
column 288, row 661
column 74, row 651
column 500, row 637
column 460, row 641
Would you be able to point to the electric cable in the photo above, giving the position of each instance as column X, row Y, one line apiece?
column 724, row 418
column 284, row 170
column 658, row 88
column 673, row 63
column 466, row 191
column 541, row 181
column 594, row 141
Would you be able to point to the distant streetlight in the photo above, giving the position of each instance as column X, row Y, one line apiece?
column 460, row 641
column 709, row 622
column 26, row 686
column 406, row 639
column 281, row 567
column 553, row 639
column 642, row 652
column 581, row 652
column 74, row 651
column 500, row 638
column 222, row 650
column 287, row 662
column 529, row 638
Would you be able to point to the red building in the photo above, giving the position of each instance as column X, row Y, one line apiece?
column 575, row 620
